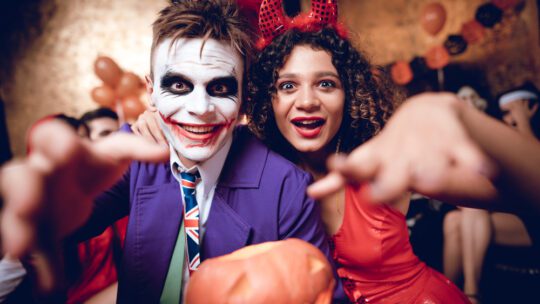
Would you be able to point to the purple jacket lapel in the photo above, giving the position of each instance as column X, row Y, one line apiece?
column 226, row 231
column 157, row 215
column 245, row 164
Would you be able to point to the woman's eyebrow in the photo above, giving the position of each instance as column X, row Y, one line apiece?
column 317, row 74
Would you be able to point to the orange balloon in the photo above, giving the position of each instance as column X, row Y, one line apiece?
column 107, row 70
column 132, row 107
column 472, row 31
column 437, row 57
column 401, row 72
column 104, row 96
column 433, row 17
column 505, row 4
column 129, row 84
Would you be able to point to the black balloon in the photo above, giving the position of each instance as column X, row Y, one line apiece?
column 419, row 67
column 455, row 44
column 488, row 15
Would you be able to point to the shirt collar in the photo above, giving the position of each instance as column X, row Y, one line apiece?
column 209, row 170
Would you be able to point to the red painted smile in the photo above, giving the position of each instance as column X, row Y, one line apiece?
column 203, row 133
column 308, row 127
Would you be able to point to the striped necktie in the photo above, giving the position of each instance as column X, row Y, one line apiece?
column 191, row 219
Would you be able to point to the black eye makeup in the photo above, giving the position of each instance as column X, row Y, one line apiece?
column 176, row 84
column 223, row 87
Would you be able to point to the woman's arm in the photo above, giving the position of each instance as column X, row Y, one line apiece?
column 437, row 146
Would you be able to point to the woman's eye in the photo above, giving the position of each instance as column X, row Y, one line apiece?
column 286, row 86
column 327, row 84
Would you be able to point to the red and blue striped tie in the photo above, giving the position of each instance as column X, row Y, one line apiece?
column 191, row 219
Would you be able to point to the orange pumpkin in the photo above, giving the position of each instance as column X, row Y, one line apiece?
column 290, row 271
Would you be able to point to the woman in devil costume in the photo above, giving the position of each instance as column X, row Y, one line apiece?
column 311, row 94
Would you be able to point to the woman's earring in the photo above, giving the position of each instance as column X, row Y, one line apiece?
column 338, row 145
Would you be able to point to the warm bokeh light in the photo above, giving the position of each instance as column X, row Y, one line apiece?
column 55, row 74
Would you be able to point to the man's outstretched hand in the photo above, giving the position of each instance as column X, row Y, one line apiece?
column 55, row 185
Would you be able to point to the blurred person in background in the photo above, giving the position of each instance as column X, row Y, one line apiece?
column 478, row 228
column 98, row 123
column 91, row 266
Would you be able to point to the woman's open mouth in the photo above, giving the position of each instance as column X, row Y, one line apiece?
column 308, row 127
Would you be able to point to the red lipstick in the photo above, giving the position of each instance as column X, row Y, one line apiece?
column 308, row 126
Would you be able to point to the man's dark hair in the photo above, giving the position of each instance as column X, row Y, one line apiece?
column 98, row 113
column 71, row 121
column 209, row 19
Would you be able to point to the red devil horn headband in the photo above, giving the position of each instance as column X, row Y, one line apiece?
column 324, row 11
column 273, row 21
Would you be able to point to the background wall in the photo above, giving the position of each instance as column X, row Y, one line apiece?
column 390, row 31
column 53, row 72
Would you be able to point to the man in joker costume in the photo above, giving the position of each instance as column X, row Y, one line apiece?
column 220, row 190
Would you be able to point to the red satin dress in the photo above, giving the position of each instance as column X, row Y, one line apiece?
column 376, row 262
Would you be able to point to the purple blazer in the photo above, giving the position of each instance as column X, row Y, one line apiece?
column 259, row 197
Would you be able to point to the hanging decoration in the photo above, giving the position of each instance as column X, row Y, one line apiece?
column 455, row 45
column 419, row 66
column 401, row 72
column 473, row 32
column 488, row 15
column 432, row 20
column 120, row 90
column 505, row 4
column 437, row 57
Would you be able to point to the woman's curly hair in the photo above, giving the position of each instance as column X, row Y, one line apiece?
column 370, row 98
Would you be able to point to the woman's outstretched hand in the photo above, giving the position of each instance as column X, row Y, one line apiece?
column 424, row 148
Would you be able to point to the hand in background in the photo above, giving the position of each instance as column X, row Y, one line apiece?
column 518, row 114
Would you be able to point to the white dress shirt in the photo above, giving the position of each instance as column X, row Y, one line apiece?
column 210, row 171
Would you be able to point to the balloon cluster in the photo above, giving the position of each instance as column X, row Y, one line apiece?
column 432, row 20
column 120, row 90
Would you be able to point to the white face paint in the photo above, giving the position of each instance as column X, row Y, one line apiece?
column 198, row 94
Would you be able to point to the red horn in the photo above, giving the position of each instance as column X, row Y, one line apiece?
column 272, row 20
column 324, row 11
